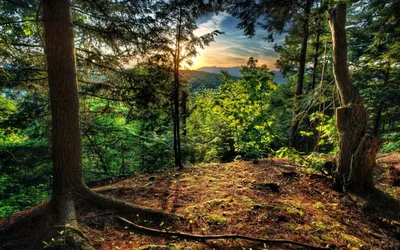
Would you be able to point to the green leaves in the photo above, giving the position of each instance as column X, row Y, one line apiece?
column 235, row 119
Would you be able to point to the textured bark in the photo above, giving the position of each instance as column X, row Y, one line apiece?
column 66, row 138
column 337, row 24
column 357, row 151
column 363, row 162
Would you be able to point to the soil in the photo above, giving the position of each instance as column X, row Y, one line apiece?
column 268, row 198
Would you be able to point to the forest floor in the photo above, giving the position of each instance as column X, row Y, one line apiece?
column 269, row 198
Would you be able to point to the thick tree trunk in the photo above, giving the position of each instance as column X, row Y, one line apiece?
column 357, row 151
column 301, row 70
column 66, row 138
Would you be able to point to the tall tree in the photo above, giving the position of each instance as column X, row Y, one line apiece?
column 68, row 187
column 180, row 47
column 357, row 150
column 278, row 17
column 373, row 53
column 64, row 102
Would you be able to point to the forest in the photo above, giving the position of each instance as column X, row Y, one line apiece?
column 109, row 139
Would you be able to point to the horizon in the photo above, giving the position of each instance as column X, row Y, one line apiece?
column 233, row 49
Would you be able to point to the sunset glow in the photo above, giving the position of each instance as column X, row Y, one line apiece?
column 232, row 48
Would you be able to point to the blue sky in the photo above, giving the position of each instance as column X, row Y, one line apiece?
column 233, row 48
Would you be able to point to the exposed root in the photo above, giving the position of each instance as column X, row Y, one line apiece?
column 73, row 238
column 126, row 208
column 64, row 232
column 197, row 237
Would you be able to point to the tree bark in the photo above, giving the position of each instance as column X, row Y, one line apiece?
column 357, row 150
column 66, row 138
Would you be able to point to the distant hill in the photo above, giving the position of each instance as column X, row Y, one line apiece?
column 200, row 79
column 235, row 71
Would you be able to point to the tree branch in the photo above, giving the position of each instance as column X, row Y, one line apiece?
column 213, row 237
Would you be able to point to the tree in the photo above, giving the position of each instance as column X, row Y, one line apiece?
column 237, row 118
column 358, row 150
column 279, row 17
column 68, row 187
column 66, row 138
column 373, row 54
column 180, row 47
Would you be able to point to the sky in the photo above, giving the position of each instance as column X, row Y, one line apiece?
column 233, row 48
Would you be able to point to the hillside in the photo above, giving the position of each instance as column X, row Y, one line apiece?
column 269, row 198
column 199, row 79
column 235, row 71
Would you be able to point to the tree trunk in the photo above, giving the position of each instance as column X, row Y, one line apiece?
column 377, row 120
column 303, row 50
column 378, row 115
column 357, row 151
column 66, row 138
column 300, row 73
column 314, row 77
column 178, row 160
column 184, row 112
column 177, row 120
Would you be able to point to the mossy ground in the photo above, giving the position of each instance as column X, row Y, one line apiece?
column 232, row 198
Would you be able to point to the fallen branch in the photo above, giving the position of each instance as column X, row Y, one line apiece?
column 197, row 237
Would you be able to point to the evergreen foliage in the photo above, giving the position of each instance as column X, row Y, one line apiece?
column 129, row 114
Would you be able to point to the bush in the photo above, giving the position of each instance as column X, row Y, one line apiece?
column 391, row 143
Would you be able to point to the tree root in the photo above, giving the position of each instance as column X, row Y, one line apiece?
column 127, row 208
column 196, row 237
column 74, row 238
column 66, row 233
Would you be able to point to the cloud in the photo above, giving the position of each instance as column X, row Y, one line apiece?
column 213, row 23
column 233, row 48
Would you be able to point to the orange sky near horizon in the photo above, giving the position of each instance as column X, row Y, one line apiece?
column 233, row 49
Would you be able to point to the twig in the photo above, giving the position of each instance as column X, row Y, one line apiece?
column 209, row 237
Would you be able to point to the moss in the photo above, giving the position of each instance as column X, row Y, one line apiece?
column 353, row 240
column 217, row 202
column 214, row 219
column 319, row 204
column 161, row 247
column 295, row 211
column 202, row 208
column 291, row 226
